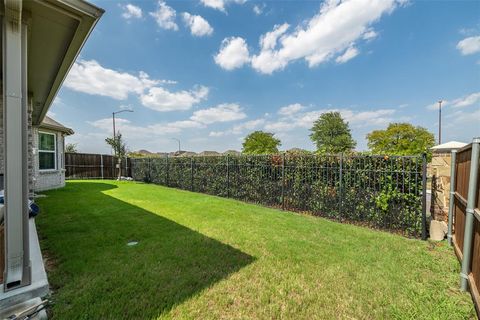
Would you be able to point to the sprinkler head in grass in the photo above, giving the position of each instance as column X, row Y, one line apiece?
column 132, row 243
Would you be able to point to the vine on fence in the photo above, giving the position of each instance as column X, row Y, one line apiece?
column 382, row 192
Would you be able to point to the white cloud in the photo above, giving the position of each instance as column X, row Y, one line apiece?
column 337, row 27
column 130, row 130
column 258, row 9
column 131, row 11
column 214, row 4
column 467, row 100
column 222, row 113
column 233, row 53
column 367, row 118
column 467, row 117
column 216, row 133
column 349, row 54
column 290, row 109
column 464, row 101
column 268, row 41
column 165, row 16
column 248, row 125
column 239, row 128
column 434, row 106
column 198, row 26
column 357, row 119
column 280, row 126
column 370, row 35
column 160, row 99
column 469, row 45
column 220, row 4
column 90, row 77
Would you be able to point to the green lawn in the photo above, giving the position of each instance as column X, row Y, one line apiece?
column 205, row 257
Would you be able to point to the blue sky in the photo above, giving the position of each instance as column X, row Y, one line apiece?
column 209, row 72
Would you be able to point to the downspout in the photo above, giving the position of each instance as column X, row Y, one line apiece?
column 469, row 219
column 453, row 160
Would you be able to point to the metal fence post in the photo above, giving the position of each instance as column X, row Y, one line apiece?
column 424, row 196
column 101, row 165
column 191, row 173
column 228, row 178
column 340, row 191
column 166, row 172
column 469, row 212
column 283, row 181
column 126, row 166
column 453, row 173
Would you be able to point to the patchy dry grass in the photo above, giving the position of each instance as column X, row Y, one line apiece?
column 211, row 258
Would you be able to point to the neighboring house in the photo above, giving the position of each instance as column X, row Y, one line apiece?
column 232, row 153
column 49, row 154
column 40, row 42
column 188, row 154
column 209, row 153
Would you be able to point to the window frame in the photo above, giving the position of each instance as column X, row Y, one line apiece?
column 55, row 151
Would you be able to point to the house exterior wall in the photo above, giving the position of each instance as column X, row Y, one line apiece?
column 49, row 179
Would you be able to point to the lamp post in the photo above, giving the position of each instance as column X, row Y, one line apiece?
column 440, row 121
column 119, row 160
column 178, row 140
column 113, row 119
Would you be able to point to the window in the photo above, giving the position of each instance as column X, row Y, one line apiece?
column 47, row 151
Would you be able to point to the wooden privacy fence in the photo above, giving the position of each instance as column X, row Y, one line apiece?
column 464, row 216
column 94, row 166
column 379, row 191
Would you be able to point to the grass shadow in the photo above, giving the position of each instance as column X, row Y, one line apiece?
column 99, row 277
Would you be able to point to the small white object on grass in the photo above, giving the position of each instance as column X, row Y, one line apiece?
column 132, row 243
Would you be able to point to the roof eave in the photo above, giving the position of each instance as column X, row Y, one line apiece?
column 64, row 130
column 89, row 16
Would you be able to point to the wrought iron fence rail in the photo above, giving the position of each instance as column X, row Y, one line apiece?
column 383, row 192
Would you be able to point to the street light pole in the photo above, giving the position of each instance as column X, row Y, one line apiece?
column 179, row 148
column 116, row 146
column 113, row 120
column 440, row 121
column 113, row 117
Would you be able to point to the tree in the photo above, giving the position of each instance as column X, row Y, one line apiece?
column 120, row 149
column 401, row 139
column 331, row 134
column 118, row 145
column 71, row 148
column 259, row 142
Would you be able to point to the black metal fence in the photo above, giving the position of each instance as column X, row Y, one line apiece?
column 378, row 191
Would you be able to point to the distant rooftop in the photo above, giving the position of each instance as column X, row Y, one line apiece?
column 448, row 146
column 49, row 123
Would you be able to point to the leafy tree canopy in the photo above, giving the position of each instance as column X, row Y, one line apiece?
column 331, row 134
column 259, row 142
column 401, row 139
column 71, row 147
column 118, row 145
